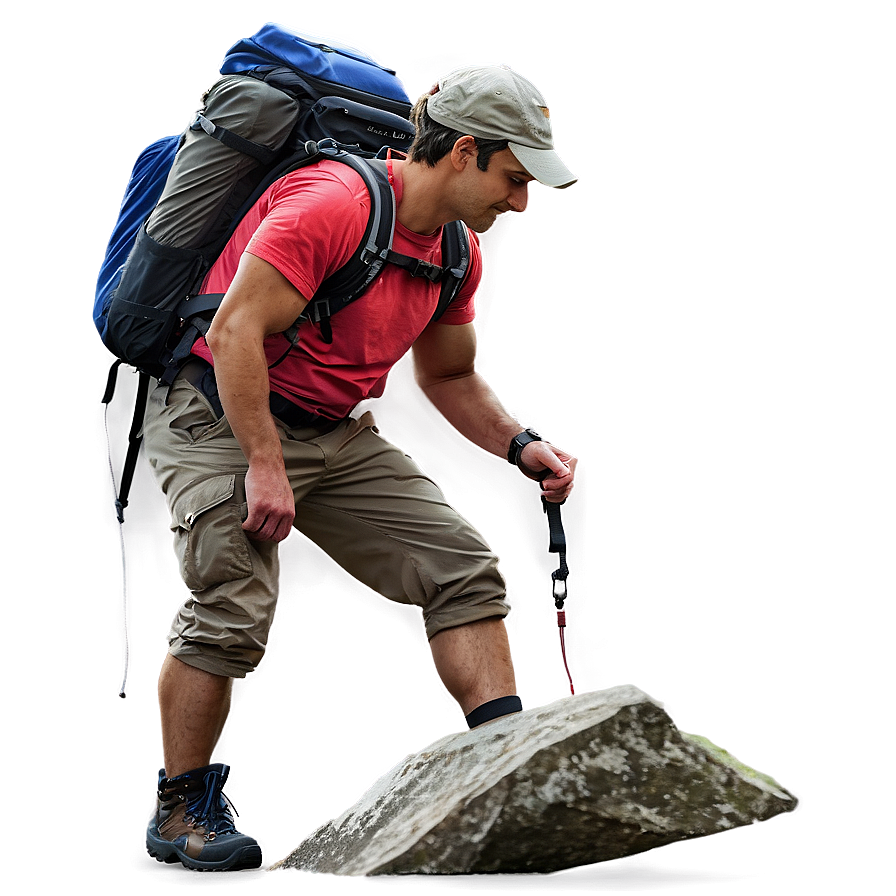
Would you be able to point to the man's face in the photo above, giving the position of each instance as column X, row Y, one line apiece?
column 483, row 195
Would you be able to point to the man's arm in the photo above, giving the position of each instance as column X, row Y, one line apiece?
column 259, row 303
column 444, row 361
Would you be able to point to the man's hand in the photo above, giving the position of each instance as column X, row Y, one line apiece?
column 538, row 456
column 271, row 503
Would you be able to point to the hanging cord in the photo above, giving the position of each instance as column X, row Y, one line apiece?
column 124, row 572
column 558, row 577
column 121, row 492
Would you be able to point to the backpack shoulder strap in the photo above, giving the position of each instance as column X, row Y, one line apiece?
column 365, row 264
column 455, row 262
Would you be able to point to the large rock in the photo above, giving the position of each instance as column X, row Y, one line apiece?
column 586, row 779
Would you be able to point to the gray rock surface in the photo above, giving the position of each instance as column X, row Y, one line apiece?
column 589, row 778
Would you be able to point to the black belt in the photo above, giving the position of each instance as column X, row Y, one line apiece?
column 199, row 373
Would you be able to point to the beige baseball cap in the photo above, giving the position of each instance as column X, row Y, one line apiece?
column 493, row 102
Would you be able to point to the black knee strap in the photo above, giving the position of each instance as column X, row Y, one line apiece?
column 494, row 709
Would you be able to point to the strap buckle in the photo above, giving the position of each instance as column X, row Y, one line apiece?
column 560, row 590
column 316, row 310
column 371, row 255
column 421, row 268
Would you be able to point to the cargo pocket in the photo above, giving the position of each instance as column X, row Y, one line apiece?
column 209, row 538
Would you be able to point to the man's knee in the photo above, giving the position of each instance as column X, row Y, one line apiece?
column 223, row 629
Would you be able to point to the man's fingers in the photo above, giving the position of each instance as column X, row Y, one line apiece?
column 284, row 528
column 550, row 487
column 268, row 527
column 557, row 486
column 254, row 524
column 555, row 480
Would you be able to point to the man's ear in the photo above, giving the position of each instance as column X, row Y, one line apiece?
column 463, row 151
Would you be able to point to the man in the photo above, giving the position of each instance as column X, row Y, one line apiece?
column 256, row 438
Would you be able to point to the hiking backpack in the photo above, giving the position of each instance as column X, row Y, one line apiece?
column 284, row 101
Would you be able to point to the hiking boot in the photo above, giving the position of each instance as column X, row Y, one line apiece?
column 192, row 824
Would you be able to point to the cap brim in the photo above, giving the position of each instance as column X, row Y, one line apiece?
column 544, row 165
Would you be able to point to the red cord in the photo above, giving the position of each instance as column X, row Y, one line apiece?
column 561, row 624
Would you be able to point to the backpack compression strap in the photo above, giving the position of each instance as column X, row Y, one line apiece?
column 257, row 151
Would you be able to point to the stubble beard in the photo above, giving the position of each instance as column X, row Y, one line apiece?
column 483, row 221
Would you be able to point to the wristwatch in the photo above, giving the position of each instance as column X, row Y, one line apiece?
column 518, row 442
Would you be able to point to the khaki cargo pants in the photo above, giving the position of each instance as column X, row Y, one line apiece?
column 361, row 499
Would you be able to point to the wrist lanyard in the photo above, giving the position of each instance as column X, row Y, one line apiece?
column 558, row 577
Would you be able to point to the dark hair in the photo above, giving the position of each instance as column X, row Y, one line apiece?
column 434, row 141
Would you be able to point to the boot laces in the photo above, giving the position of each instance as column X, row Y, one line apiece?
column 210, row 807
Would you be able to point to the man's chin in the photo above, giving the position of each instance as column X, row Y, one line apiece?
column 482, row 223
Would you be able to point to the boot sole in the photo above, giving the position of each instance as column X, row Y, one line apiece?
column 245, row 857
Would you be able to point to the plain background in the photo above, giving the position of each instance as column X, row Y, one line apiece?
column 705, row 320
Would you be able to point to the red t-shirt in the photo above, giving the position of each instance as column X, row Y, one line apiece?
column 307, row 225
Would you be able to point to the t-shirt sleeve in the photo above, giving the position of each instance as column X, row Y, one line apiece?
column 463, row 309
column 315, row 221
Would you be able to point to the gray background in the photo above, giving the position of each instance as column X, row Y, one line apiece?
column 706, row 320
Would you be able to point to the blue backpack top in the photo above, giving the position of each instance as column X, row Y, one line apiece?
column 327, row 64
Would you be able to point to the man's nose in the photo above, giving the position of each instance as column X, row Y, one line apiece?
column 519, row 198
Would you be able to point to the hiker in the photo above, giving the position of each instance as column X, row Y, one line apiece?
column 255, row 436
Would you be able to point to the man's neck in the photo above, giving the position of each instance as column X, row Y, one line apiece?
column 420, row 211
